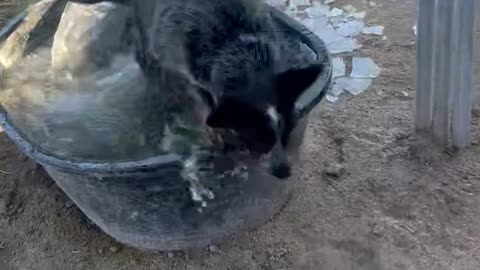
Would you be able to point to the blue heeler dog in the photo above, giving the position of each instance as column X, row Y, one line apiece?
column 230, row 47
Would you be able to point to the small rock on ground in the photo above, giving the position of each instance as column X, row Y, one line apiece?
column 334, row 170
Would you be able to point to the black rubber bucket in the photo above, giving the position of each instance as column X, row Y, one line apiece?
column 146, row 204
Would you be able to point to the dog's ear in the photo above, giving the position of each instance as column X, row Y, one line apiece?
column 292, row 83
column 99, row 1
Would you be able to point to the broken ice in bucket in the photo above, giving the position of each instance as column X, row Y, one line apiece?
column 109, row 115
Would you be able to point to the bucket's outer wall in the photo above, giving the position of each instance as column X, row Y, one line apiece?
column 154, row 210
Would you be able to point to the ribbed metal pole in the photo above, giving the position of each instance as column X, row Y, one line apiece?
column 445, row 50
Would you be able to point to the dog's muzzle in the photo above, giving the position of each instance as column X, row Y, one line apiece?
column 279, row 163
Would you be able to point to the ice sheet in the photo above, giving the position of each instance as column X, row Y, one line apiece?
column 336, row 12
column 352, row 85
column 299, row 3
column 343, row 45
column 373, row 30
column 351, row 28
column 338, row 28
column 276, row 3
column 338, row 67
column 364, row 67
column 331, row 98
column 317, row 11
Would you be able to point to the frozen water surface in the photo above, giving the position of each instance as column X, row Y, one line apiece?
column 327, row 34
column 336, row 12
column 357, row 15
column 300, row 2
column 338, row 28
column 338, row 67
column 351, row 28
column 316, row 24
column 337, row 89
column 337, row 20
column 343, row 45
column 331, row 98
column 277, row 3
column 364, row 67
column 373, row 30
column 352, row 85
column 318, row 11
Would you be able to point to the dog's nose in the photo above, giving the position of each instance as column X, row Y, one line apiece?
column 281, row 171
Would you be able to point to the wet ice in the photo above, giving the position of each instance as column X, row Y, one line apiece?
column 364, row 67
column 374, row 30
column 352, row 85
column 338, row 67
column 339, row 28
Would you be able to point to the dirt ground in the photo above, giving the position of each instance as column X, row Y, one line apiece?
column 371, row 195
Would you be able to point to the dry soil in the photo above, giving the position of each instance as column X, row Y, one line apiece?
column 371, row 195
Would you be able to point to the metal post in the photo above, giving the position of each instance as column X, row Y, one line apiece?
column 445, row 70
column 425, row 41
column 462, row 101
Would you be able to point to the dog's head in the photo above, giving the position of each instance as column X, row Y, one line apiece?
column 257, row 101
column 246, row 93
